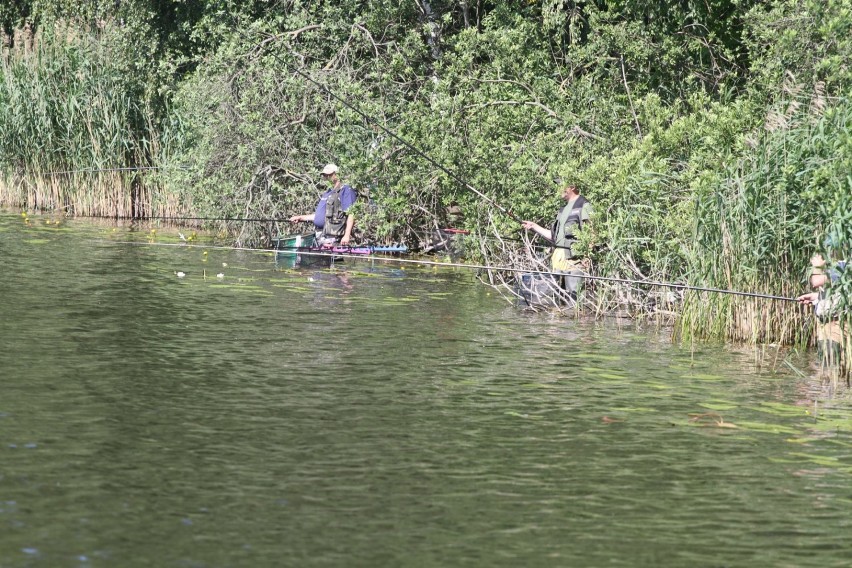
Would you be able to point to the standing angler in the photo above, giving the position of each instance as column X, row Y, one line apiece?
column 333, row 223
column 563, row 233
column 832, row 338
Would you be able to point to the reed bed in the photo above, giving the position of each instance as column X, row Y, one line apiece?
column 71, row 114
column 116, row 195
column 759, row 229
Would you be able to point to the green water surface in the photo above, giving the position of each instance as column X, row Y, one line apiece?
column 375, row 415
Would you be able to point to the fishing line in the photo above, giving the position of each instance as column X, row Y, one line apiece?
column 170, row 218
column 449, row 230
column 157, row 218
column 387, row 259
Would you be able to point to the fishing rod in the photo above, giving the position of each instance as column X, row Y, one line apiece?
column 583, row 276
column 347, row 104
column 450, row 230
column 124, row 169
column 169, row 218
column 435, row 163
column 405, row 143
column 417, row 262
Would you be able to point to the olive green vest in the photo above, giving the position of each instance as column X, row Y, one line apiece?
column 568, row 221
column 335, row 216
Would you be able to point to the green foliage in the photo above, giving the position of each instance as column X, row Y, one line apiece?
column 78, row 102
column 645, row 192
column 812, row 39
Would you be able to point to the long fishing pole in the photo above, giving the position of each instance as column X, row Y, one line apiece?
column 449, row 230
column 331, row 254
column 347, row 104
column 405, row 143
column 274, row 220
column 97, row 170
column 173, row 218
column 583, row 276
column 170, row 218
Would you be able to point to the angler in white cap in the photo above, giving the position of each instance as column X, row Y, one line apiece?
column 333, row 223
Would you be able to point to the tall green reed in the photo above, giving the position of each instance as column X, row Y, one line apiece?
column 762, row 223
column 68, row 111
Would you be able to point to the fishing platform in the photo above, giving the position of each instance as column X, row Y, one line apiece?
column 302, row 250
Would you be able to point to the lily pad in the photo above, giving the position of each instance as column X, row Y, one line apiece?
column 781, row 409
column 703, row 377
column 718, row 406
column 768, row 428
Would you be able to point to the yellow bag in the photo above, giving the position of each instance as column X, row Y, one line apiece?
column 559, row 262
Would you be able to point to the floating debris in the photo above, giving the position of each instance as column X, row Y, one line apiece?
column 712, row 419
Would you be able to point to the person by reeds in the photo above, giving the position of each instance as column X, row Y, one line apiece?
column 832, row 335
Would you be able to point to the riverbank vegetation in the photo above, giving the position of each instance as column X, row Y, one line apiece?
column 713, row 137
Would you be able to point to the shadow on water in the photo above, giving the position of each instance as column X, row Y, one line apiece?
column 372, row 415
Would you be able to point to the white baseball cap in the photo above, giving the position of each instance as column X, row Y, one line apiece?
column 329, row 169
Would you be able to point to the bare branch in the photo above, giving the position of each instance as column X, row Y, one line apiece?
column 370, row 37
column 629, row 98
column 295, row 33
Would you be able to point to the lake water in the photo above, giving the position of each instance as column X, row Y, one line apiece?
column 378, row 415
